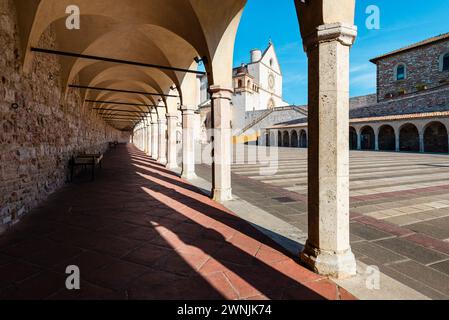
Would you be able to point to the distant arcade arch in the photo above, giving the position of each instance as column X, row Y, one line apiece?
column 279, row 139
column 435, row 138
column 303, row 143
column 368, row 138
column 409, row 138
column 387, row 138
column 294, row 140
column 286, row 139
column 352, row 139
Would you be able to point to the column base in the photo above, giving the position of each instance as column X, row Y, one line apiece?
column 340, row 265
column 222, row 195
column 162, row 161
column 172, row 166
column 189, row 176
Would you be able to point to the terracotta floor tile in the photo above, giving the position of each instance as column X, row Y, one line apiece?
column 117, row 276
column 35, row 288
column 16, row 271
column 140, row 232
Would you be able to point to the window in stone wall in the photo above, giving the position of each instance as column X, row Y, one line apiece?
column 445, row 63
column 400, row 72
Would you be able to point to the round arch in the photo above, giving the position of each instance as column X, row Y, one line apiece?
column 352, row 138
column 387, row 138
column 409, row 138
column 303, row 139
column 436, row 138
column 368, row 137
column 294, row 139
column 286, row 139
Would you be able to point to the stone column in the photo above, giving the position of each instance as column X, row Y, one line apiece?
column 188, row 142
column 359, row 141
column 376, row 141
column 162, row 144
column 150, row 147
column 172, row 160
column 222, row 143
column 154, row 140
column 421, row 142
column 145, row 139
column 398, row 140
column 328, row 251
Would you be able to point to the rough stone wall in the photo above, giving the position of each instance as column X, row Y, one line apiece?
column 38, row 138
column 423, row 68
column 362, row 101
column 431, row 100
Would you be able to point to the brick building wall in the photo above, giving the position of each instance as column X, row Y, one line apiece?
column 422, row 68
column 38, row 138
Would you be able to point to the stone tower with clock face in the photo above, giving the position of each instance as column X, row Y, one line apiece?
column 257, row 87
column 257, row 84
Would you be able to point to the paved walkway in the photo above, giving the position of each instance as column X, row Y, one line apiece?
column 399, row 209
column 140, row 232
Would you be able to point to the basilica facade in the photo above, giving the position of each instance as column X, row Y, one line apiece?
column 257, row 87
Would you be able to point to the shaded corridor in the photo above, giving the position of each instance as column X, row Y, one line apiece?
column 141, row 232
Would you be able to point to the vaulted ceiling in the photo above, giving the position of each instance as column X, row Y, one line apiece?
column 167, row 33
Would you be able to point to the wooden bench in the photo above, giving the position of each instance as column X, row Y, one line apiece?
column 113, row 145
column 85, row 160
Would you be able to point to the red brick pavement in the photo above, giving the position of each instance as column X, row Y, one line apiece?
column 141, row 232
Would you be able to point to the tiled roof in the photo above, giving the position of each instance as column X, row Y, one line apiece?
column 413, row 46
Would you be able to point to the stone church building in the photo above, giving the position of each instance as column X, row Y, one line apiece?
column 257, row 88
column 409, row 112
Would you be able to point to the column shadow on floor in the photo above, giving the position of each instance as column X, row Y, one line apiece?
column 130, row 243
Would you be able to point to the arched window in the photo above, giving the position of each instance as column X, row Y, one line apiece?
column 400, row 72
column 444, row 62
column 240, row 85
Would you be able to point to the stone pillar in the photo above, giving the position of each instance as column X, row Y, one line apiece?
column 145, row 139
column 150, row 147
column 154, row 140
column 222, row 143
column 376, row 141
column 188, row 143
column 398, row 140
column 421, row 142
column 328, row 251
column 162, row 144
column 359, row 141
column 172, row 160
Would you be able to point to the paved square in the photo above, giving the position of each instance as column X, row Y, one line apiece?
column 399, row 208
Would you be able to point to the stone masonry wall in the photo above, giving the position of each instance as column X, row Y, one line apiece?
column 38, row 138
column 423, row 68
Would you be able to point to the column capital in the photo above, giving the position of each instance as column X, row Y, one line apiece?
column 188, row 109
column 219, row 92
column 341, row 32
column 171, row 115
column 162, row 120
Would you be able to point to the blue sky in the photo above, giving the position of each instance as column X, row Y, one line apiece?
column 403, row 22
